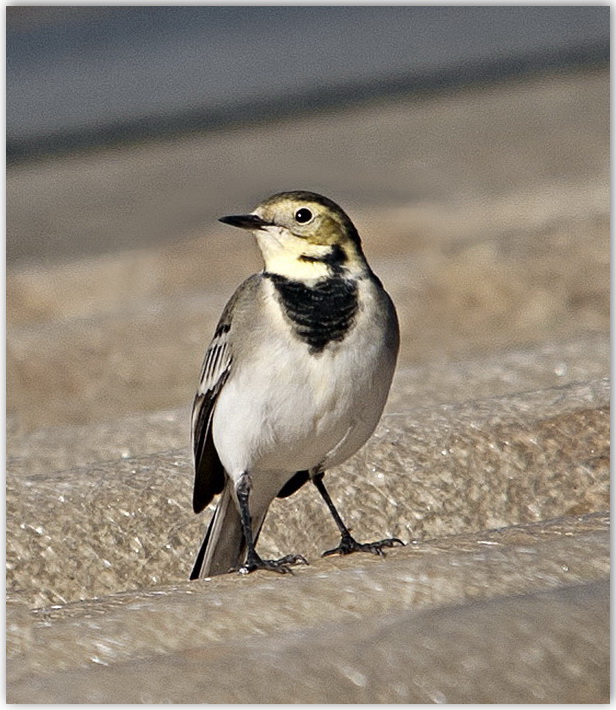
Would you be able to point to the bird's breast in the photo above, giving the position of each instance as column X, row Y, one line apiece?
column 293, row 399
column 320, row 313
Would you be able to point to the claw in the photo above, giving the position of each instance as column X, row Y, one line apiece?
column 348, row 545
column 282, row 566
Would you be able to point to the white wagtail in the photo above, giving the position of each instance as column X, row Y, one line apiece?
column 294, row 380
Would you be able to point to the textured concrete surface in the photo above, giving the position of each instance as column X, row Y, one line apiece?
column 472, row 623
column 443, row 572
column 431, row 472
column 486, row 213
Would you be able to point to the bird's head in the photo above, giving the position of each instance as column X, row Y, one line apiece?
column 303, row 235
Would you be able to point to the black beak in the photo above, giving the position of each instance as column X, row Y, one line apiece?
column 244, row 221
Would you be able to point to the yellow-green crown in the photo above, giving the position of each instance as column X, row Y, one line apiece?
column 309, row 215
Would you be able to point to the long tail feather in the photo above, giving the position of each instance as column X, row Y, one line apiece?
column 224, row 545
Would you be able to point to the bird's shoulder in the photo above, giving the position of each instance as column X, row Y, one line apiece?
column 245, row 294
column 219, row 354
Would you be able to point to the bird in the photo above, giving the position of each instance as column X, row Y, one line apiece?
column 294, row 380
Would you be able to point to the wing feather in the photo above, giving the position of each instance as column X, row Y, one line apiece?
column 216, row 368
column 209, row 472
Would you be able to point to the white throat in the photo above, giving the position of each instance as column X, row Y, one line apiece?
column 282, row 253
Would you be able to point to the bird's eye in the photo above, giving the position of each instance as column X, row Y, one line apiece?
column 303, row 215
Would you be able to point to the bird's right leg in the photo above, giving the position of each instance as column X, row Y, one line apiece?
column 253, row 560
column 348, row 543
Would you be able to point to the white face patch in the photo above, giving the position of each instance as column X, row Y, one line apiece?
column 282, row 252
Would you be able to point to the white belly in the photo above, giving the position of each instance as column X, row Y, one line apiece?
column 289, row 412
column 284, row 410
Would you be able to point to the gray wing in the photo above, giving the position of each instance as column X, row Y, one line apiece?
column 217, row 366
column 209, row 471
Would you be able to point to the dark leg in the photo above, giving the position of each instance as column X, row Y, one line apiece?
column 253, row 560
column 348, row 543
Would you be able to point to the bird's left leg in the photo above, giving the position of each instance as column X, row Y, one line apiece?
column 348, row 543
column 253, row 559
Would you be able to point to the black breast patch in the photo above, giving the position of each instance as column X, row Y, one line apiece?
column 321, row 313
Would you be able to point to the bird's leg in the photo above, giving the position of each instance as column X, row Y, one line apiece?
column 348, row 543
column 253, row 560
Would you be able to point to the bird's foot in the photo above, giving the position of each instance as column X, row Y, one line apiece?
column 348, row 544
column 282, row 566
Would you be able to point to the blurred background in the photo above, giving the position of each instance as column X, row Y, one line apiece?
column 469, row 144
column 93, row 77
column 82, row 76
